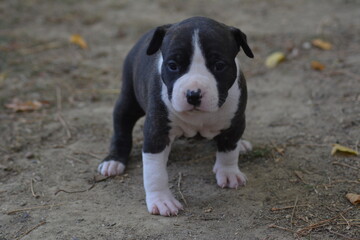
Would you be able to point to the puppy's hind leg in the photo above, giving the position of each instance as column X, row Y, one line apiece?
column 126, row 112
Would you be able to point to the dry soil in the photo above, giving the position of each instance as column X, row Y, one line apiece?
column 48, row 157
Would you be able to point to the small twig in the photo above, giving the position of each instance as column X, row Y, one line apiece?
column 179, row 189
column 32, row 208
column 75, row 159
column 41, row 48
column 59, row 115
column 78, row 191
column 32, row 189
column 30, row 230
column 95, row 180
column 89, row 154
column 345, row 165
column 287, row 207
column 309, row 228
column 282, row 228
column 93, row 155
column 65, row 125
column 293, row 211
column 299, row 175
column 346, row 181
column 105, row 91
column 305, row 219
column 348, row 224
column 343, row 236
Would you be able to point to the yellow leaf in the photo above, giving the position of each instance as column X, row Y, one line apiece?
column 19, row 106
column 280, row 150
column 324, row 45
column 78, row 40
column 208, row 210
column 338, row 148
column 274, row 59
column 353, row 198
column 317, row 65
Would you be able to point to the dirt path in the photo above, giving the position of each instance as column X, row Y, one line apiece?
column 294, row 116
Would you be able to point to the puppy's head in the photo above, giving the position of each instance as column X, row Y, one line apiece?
column 197, row 62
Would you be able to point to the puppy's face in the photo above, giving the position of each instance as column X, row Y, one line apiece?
column 197, row 65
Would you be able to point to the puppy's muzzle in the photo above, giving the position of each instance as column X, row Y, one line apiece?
column 194, row 97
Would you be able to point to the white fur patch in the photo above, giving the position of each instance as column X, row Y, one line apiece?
column 160, row 62
column 198, row 77
column 159, row 199
column 111, row 168
column 226, row 167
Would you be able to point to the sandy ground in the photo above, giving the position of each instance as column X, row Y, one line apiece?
column 49, row 157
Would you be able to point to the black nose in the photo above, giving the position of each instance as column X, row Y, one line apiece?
column 194, row 97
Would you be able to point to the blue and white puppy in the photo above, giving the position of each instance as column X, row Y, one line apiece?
column 186, row 79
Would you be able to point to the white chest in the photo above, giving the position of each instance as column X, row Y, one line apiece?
column 190, row 124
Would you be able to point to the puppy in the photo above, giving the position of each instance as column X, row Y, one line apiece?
column 185, row 77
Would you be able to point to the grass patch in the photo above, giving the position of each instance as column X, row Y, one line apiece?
column 259, row 152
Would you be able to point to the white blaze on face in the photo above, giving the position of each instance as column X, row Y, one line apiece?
column 198, row 77
column 159, row 63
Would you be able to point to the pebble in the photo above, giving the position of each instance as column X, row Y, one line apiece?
column 306, row 45
column 29, row 155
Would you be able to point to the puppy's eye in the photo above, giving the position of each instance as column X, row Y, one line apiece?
column 173, row 66
column 219, row 66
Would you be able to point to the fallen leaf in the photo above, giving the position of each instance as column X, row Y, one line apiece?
column 339, row 148
column 274, row 59
column 208, row 210
column 319, row 43
column 280, row 150
column 78, row 40
column 353, row 198
column 317, row 66
column 19, row 106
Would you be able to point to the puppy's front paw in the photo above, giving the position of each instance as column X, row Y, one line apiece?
column 111, row 168
column 229, row 177
column 244, row 146
column 162, row 203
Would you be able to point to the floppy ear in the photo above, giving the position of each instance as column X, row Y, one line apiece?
column 241, row 41
column 157, row 39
